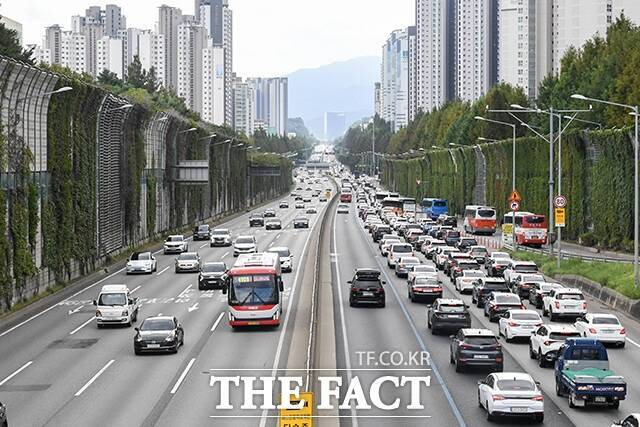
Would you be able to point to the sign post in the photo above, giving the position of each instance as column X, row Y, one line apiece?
column 302, row 417
column 559, row 217
column 514, row 205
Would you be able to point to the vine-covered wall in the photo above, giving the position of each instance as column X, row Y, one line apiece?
column 597, row 179
column 50, row 209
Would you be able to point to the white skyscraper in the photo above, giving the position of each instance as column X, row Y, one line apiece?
column 243, row 107
column 270, row 104
column 412, row 82
column 169, row 20
column 192, row 39
column 40, row 54
column 395, row 79
column 476, row 52
column 213, row 84
column 109, row 56
column 435, row 21
column 53, row 43
column 73, row 51
column 93, row 31
column 151, row 51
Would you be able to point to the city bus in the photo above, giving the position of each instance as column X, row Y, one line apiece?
column 408, row 206
column 381, row 195
column 480, row 219
column 433, row 207
column 400, row 205
column 255, row 290
column 530, row 229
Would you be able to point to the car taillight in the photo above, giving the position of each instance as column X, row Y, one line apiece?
column 623, row 331
column 557, row 304
column 547, row 342
column 538, row 398
column 593, row 331
column 498, row 397
column 584, row 305
column 522, row 306
column 98, row 314
column 465, row 346
column 437, row 289
column 513, row 324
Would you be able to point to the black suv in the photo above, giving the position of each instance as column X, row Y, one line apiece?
column 380, row 231
column 449, row 314
column 448, row 220
column 366, row 287
column 484, row 286
column 256, row 220
column 269, row 213
column 499, row 303
column 476, row 347
column 202, row 232
column 213, row 275
column 465, row 243
column 301, row 222
column 452, row 237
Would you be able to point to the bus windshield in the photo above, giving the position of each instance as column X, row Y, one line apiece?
column 253, row 290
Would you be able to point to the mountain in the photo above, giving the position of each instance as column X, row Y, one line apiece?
column 345, row 86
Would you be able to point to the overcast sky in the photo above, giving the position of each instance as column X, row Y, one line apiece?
column 271, row 37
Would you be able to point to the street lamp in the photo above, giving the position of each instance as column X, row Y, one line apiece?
column 188, row 130
column 584, row 121
column 480, row 138
column 634, row 113
column 38, row 95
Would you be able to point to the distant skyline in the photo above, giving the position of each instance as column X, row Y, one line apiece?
column 271, row 38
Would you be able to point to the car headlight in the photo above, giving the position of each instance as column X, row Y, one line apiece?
column 171, row 337
column 124, row 313
column 138, row 338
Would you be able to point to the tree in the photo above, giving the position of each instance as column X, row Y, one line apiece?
column 109, row 78
column 151, row 82
column 136, row 77
column 10, row 45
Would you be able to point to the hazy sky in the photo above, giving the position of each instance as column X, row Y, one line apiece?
column 271, row 37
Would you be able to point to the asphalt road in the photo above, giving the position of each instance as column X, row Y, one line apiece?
column 59, row 369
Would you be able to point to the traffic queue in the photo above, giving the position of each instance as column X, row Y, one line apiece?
column 428, row 250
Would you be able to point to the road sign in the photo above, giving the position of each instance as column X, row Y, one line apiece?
column 514, row 206
column 560, row 217
column 560, row 201
column 302, row 417
column 515, row 197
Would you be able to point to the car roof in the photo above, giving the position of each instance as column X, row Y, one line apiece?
column 278, row 248
column 607, row 315
column 502, row 294
column 560, row 328
column 523, row 311
column 214, row 263
column 175, row 235
column 159, row 318
column 226, row 230
column 524, row 263
column 477, row 247
column 406, row 258
column 367, row 272
column 570, row 290
column 244, row 236
column 114, row 288
column 471, row 332
column 450, row 301
column 513, row 376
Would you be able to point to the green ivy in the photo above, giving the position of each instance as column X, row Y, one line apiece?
column 151, row 204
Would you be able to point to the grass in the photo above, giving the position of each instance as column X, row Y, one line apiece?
column 618, row 276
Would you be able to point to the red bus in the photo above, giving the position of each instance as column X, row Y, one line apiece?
column 530, row 228
column 480, row 219
column 255, row 290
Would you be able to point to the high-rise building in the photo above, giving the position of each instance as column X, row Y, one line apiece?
column 217, row 17
column 395, row 79
column 169, row 20
column 151, row 52
column 412, row 79
column 40, row 54
column 270, row 104
column 377, row 99
column 10, row 24
column 435, row 48
column 93, row 31
column 477, row 47
column 114, row 21
column 242, row 107
column 77, row 23
column 213, row 84
column 524, row 58
column 109, row 56
column 335, row 123
column 130, row 45
column 53, row 43
column 192, row 39
column 73, row 51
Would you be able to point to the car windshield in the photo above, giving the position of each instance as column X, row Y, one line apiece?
column 188, row 256
column 282, row 252
column 481, row 340
column 473, row 273
column 479, row 251
column 507, row 299
column 532, row 278
column 119, row 298
column 220, row 232
column 402, row 248
column 547, row 287
column 410, row 261
column 141, row 256
column 570, row 296
column 157, row 325
column 516, row 385
column 495, row 285
column 451, row 308
column 273, row 221
column 468, row 265
column 605, row 321
column 215, row 267
column 486, row 213
column 427, row 282
column 367, row 282
column 440, row 204
column 243, row 240
column 561, row 336
column 525, row 316
column 453, row 234
column 175, row 239
column 468, row 242
column 423, row 268
column 253, row 290
column 526, row 268
column 500, row 255
column 502, row 262
column 203, row 228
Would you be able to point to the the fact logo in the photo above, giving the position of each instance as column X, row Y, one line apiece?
column 355, row 394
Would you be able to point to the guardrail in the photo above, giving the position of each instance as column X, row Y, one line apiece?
column 566, row 255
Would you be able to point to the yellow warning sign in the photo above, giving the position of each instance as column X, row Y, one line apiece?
column 560, row 217
column 302, row 417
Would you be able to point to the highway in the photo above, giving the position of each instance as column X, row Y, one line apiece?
column 58, row 369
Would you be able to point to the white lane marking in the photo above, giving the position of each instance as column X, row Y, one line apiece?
column 59, row 303
column 75, row 310
column 203, row 246
column 225, row 254
column 278, row 235
column 95, row 377
column 215, row 324
column 347, row 355
column 185, row 290
column 82, row 326
column 136, row 288
column 263, row 418
column 163, row 270
column 16, row 372
column 633, row 342
column 193, row 307
column 182, row 376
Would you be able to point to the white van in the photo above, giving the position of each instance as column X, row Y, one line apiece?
column 116, row 306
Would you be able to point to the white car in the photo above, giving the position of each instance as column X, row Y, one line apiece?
column 187, row 261
column 464, row 283
column 397, row 251
column 516, row 267
column 422, row 270
column 245, row 245
column 429, row 250
column 603, row 327
column 386, row 245
column 141, row 262
column 405, row 264
column 442, row 254
column 511, row 394
column 220, row 237
column 497, row 255
column 285, row 257
column 547, row 339
column 518, row 324
column 564, row 302
column 175, row 244
column 343, row 209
